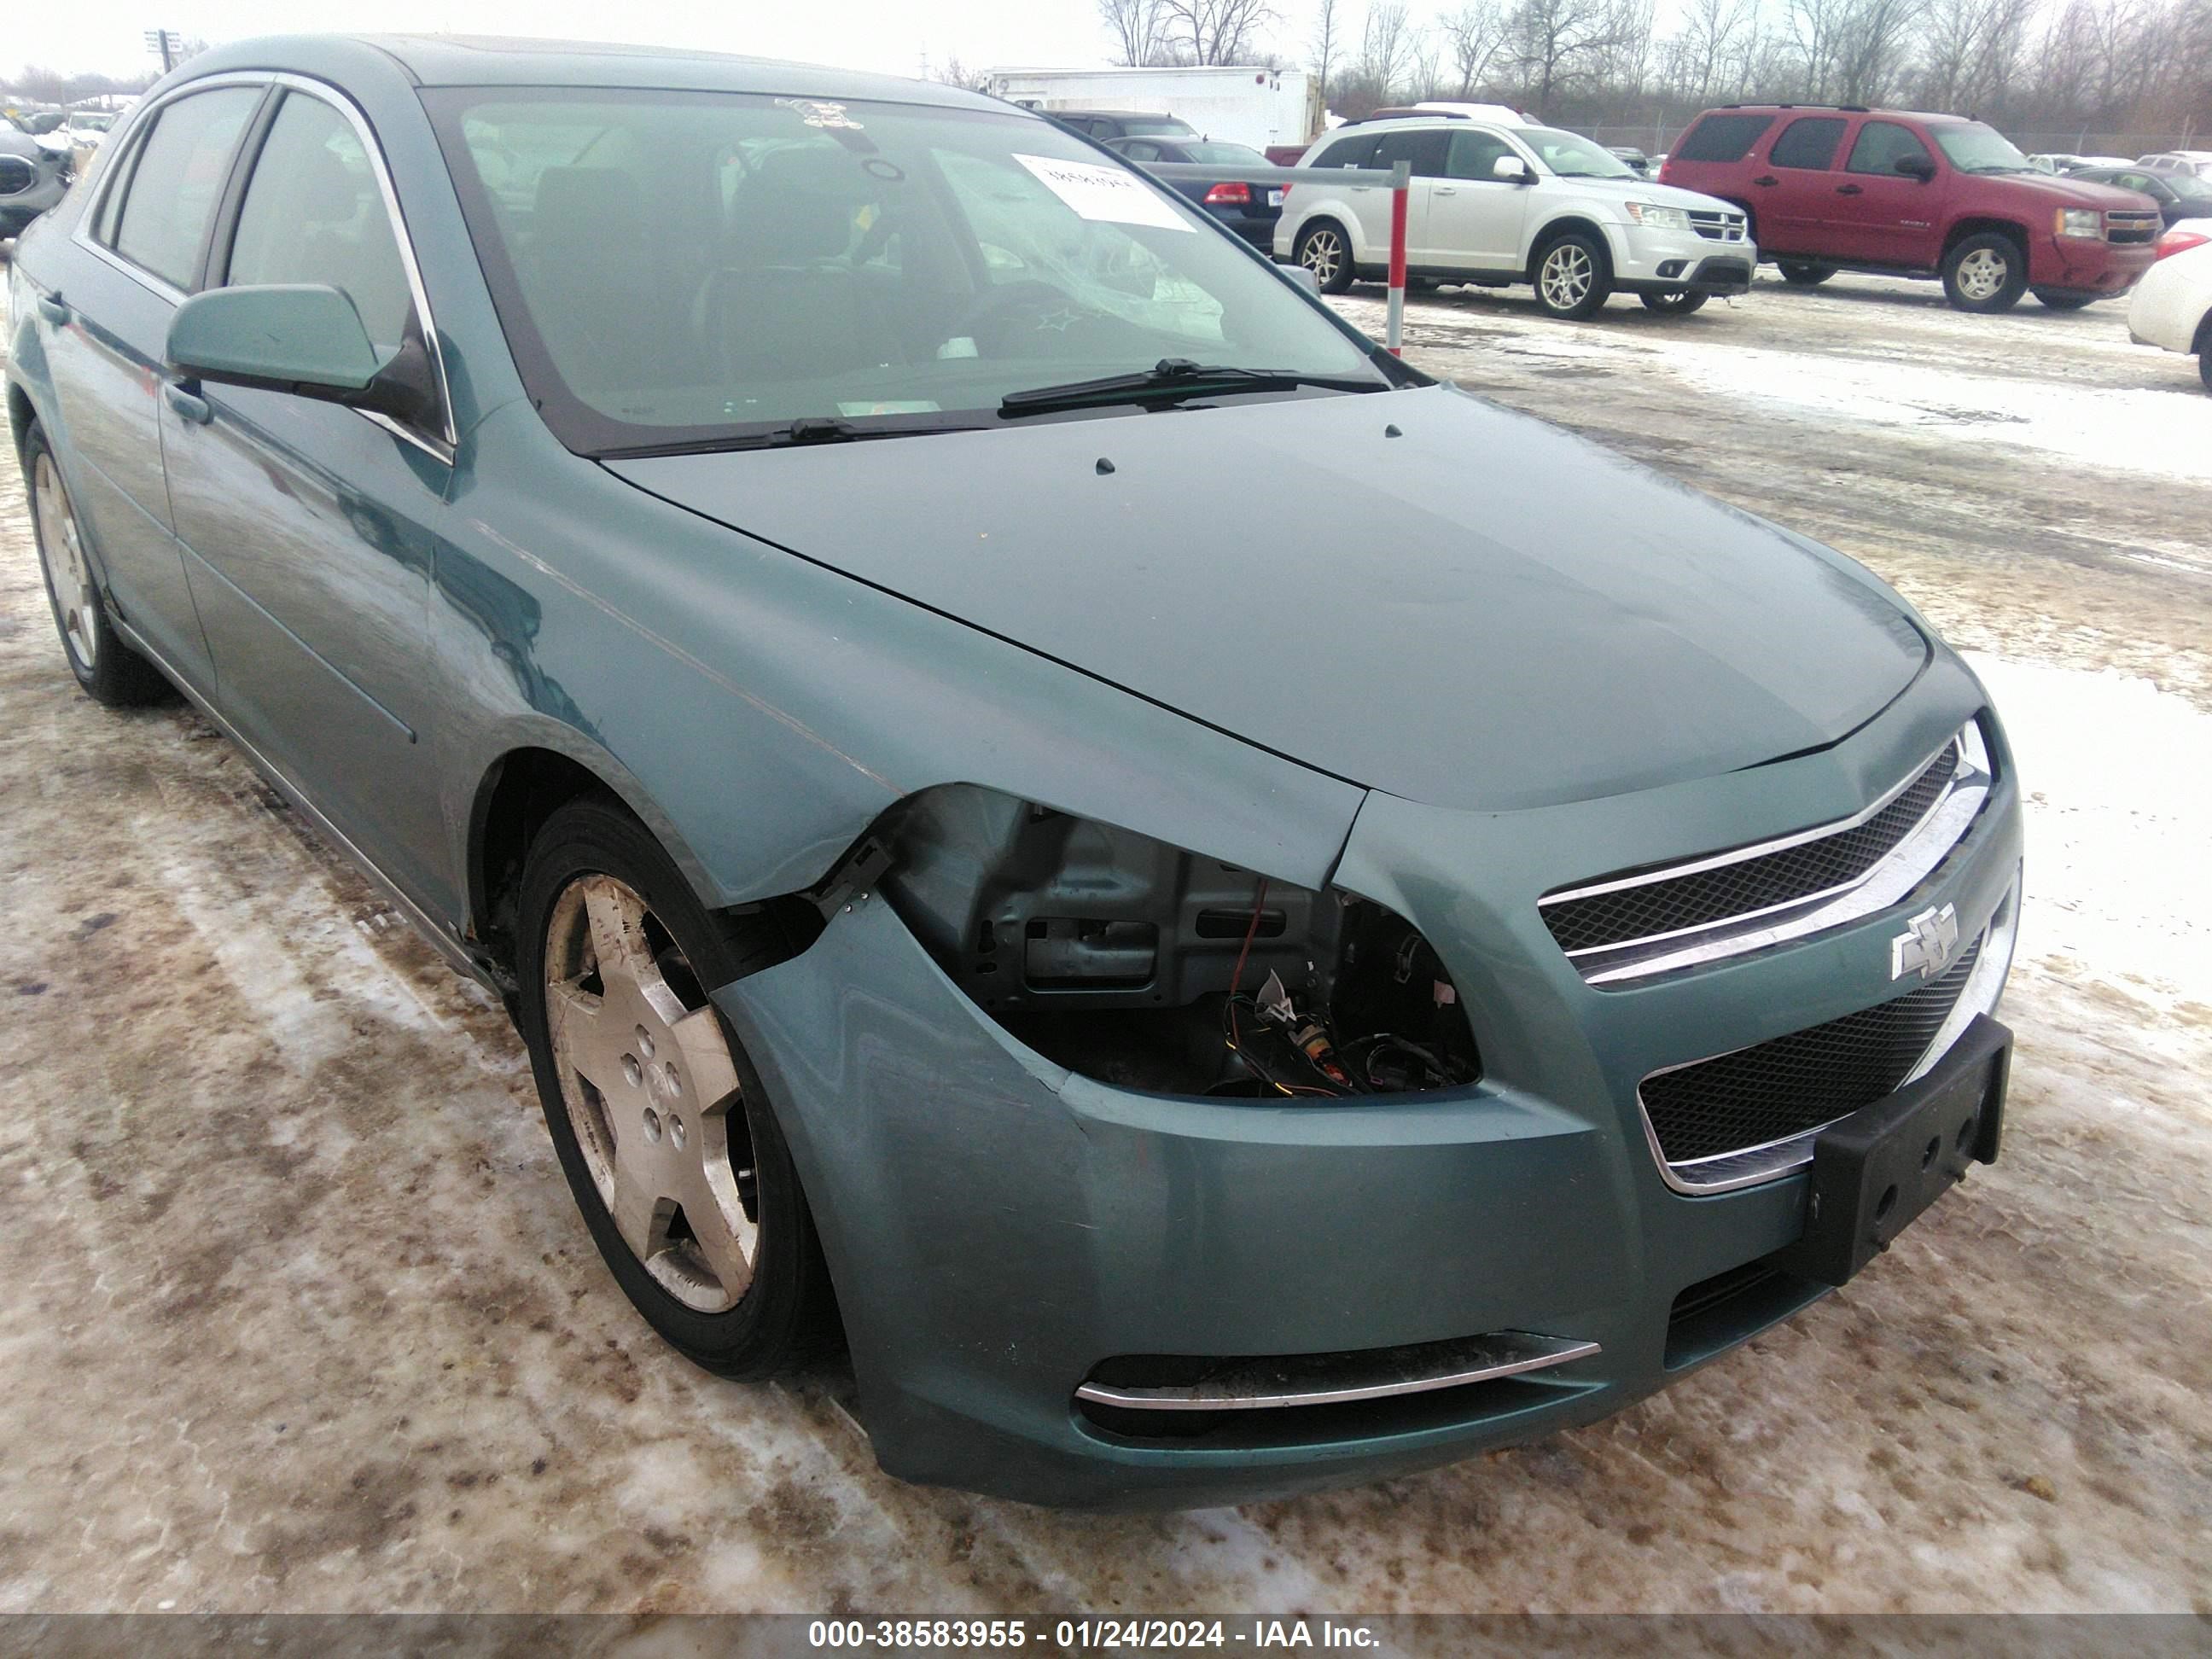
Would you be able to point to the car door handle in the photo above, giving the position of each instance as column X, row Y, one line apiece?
column 1769, row 179
column 51, row 308
column 1446, row 189
column 1849, row 190
column 188, row 405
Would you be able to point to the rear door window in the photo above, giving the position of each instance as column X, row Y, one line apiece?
column 1809, row 143
column 1425, row 151
column 162, row 224
column 1882, row 145
column 1722, row 138
column 1354, row 152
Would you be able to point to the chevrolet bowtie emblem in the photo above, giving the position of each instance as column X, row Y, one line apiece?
column 1926, row 949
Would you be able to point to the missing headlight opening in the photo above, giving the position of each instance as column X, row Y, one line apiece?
column 1148, row 967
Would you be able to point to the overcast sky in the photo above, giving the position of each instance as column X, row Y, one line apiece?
column 889, row 35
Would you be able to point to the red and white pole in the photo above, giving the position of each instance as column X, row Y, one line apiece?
column 1401, row 179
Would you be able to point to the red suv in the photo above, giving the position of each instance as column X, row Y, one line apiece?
column 1880, row 189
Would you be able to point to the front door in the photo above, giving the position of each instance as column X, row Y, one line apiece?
column 106, row 327
column 1883, row 216
column 310, row 526
column 1424, row 149
column 1475, row 217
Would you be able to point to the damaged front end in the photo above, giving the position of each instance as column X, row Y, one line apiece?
column 1146, row 966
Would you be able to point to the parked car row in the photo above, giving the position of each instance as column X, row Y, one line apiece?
column 35, row 171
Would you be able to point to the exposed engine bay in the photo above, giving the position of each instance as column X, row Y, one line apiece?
column 1148, row 967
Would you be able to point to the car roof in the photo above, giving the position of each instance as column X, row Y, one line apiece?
column 1119, row 115
column 1933, row 119
column 446, row 60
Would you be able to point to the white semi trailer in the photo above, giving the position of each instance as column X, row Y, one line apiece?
column 1246, row 106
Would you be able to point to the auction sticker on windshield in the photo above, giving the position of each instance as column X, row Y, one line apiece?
column 1104, row 193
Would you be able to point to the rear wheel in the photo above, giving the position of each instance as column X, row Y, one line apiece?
column 1573, row 276
column 1322, row 250
column 110, row 672
column 1675, row 302
column 663, row 1127
column 2204, row 368
column 1985, row 273
column 2064, row 298
column 1805, row 275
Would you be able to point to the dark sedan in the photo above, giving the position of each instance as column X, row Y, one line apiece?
column 1249, row 208
column 34, row 173
column 2179, row 195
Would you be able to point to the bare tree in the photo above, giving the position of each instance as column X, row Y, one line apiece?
column 1705, row 55
column 1559, row 44
column 1214, row 31
column 1385, row 49
column 1476, row 35
column 1135, row 26
column 1324, row 44
column 953, row 73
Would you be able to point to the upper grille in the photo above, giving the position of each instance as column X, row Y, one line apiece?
column 1672, row 904
column 1715, row 227
column 16, row 175
column 2130, row 225
column 1797, row 1083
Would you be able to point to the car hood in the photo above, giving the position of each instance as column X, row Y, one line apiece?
column 1416, row 590
column 2061, row 191
column 1651, row 190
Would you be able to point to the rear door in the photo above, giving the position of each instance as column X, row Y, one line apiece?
column 1424, row 149
column 1883, row 216
column 1793, row 194
column 310, row 526
column 134, row 257
column 1476, row 218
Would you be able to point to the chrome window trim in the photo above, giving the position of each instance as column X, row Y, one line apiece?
column 1748, row 1166
column 439, row 444
column 1498, row 1354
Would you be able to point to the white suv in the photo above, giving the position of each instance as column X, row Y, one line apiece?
column 2199, row 162
column 1494, row 203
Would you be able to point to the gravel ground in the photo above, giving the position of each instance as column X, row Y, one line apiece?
column 299, row 1315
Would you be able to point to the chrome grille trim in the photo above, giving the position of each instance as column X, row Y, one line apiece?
column 2129, row 225
column 1715, row 227
column 1915, row 856
column 1747, row 1166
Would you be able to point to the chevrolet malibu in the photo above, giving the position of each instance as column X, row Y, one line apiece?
column 1226, row 917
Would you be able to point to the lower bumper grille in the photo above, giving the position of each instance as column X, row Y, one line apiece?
column 1753, row 1114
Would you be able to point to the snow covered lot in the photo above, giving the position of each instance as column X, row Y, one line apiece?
column 295, row 1312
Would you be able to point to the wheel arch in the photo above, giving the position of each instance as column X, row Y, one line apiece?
column 1976, row 224
column 1565, row 224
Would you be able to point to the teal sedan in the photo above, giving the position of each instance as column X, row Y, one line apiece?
column 1222, row 917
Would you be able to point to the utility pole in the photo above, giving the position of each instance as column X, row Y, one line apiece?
column 165, row 43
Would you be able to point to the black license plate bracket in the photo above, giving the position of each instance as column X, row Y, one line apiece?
column 1876, row 1171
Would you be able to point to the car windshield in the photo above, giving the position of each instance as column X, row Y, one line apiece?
column 677, row 269
column 1233, row 155
column 1571, row 155
column 1165, row 126
column 2189, row 188
column 1973, row 148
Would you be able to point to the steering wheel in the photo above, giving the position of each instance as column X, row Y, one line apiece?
column 1020, row 311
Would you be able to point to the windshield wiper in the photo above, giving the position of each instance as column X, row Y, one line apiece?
column 806, row 430
column 1170, row 380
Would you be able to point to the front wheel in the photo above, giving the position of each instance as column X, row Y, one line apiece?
column 1800, row 275
column 1985, row 273
column 110, row 672
column 1573, row 276
column 1675, row 302
column 664, row 1129
column 2204, row 368
column 2064, row 298
column 1322, row 250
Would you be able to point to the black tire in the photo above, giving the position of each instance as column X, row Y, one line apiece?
column 108, row 671
column 1573, row 276
column 1800, row 275
column 2204, row 368
column 1323, row 248
column 1985, row 273
column 2064, row 298
column 787, row 1316
column 1674, row 301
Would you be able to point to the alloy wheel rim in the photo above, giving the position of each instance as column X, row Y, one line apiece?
column 1982, row 273
column 67, row 568
column 1322, row 254
column 651, row 1093
column 1567, row 276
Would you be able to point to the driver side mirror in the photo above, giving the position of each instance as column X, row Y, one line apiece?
column 304, row 339
column 1917, row 167
column 1511, row 168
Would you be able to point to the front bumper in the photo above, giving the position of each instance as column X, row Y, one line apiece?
column 998, row 1227
column 1646, row 260
column 2081, row 265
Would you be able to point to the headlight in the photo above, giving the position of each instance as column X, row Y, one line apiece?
column 2081, row 221
column 1657, row 217
column 1149, row 966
